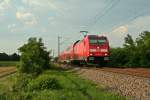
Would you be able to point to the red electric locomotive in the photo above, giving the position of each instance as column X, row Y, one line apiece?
column 92, row 49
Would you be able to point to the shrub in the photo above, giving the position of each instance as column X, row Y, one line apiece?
column 44, row 82
column 2, row 97
column 34, row 57
column 21, row 82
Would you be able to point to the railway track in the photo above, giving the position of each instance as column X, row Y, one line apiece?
column 138, row 72
column 131, row 82
column 6, row 71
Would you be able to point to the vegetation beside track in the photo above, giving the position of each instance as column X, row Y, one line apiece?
column 8, row 63
column 134, row 53
column 53, row 84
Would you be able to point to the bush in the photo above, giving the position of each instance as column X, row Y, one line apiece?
column 26, row 87
column 34, row 57
column 44, row 82
column 2, row 97
column 133, row 53
column 21, row 82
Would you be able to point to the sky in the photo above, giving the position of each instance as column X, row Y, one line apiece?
column 48, row 19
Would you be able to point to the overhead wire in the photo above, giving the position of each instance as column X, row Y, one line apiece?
column 101, row 14
column 133, row 18
column 98, row 17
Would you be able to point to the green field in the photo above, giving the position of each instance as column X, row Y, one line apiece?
column 8, row 63
column 69, row 87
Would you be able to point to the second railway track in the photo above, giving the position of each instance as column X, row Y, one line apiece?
column 6, row 71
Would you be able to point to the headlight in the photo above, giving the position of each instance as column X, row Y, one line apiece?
column 104, row 50
column 91, row 54
column 92, row 50
column 106, row 54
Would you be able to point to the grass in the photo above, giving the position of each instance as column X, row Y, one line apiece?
column 6, row 85
column 72, row 88
column 8, row 63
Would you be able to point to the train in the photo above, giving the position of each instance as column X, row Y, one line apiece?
column 92, row 49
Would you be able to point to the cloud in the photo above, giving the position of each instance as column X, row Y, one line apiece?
column 26, row 17
column 120, row 30
column 23, row 15
column 116, row 37
column 11, row 26
column 51, row 18
column 140, row 23
column 31, row 2
column 133, row 27
column 40, row 4
column 4, row 5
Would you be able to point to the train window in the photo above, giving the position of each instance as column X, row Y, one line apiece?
column 99, row 41
column 93, row 41
column 102, row 41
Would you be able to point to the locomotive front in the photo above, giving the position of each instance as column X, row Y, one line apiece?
column 98, row 49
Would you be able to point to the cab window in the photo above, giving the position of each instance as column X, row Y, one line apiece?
column 102, row 41
column 93, row 41
column 97, row 40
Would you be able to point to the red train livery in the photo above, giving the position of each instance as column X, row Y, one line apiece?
column 92, row 49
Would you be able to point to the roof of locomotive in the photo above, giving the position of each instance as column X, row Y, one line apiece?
column 95, row 36
column 87, row 36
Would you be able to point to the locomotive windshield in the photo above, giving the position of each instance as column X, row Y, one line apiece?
column 102, row 40
column 97, row 40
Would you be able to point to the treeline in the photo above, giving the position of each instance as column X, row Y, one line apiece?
column 134, row 53
column 6, row 57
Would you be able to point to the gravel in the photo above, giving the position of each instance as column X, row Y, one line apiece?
column 135, row 87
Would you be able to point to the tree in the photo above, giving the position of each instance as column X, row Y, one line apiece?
column 131, row 51
column 134, row 53
column 119, row 57
column 34, row 57
column 129, row 42
column 4, row 57
column 143, row 45
column 14, row 57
